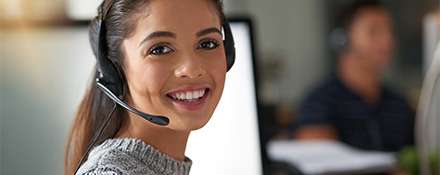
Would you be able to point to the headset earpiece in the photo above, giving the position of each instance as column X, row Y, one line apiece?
column 108, row 73
column 229, row 45
column 339, row 40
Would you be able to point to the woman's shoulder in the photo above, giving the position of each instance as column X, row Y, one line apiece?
column 101, row 171
column 110, row 158
column 127, row 156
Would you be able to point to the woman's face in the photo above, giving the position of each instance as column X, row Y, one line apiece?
column 175, row 63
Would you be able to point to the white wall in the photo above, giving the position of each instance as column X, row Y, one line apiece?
column 2, row 112
column 2, row 99
column 43, row 80
column 291, row 31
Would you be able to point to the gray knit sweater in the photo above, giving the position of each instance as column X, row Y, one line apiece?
column 127, row 156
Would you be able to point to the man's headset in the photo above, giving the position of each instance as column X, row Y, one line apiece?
column 339, row 39
column 110, row 78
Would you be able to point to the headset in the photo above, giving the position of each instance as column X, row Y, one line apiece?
column 110, row 79
column 339, row 40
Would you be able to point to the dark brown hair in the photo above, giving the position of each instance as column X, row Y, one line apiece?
column 95, row 106
column 348, row 15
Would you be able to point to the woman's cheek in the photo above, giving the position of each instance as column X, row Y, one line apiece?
column 155, row 78
column 219, row 75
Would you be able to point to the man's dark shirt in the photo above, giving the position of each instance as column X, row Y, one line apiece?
column 387, row 126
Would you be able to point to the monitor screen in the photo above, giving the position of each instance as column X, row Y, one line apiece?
column 229, row 143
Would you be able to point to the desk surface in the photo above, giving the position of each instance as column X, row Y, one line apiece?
column 330, row 157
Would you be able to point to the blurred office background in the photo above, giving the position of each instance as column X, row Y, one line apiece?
column 292, row 51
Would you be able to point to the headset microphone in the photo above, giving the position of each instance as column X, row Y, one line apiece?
column 159, row 120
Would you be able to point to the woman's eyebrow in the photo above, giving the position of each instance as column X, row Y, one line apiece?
column 208, row 31
column 158, row 34
column 173, row 35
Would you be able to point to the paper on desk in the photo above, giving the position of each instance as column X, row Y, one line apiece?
column 321, row 157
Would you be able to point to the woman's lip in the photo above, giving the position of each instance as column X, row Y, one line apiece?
column 191, row 105
column 189, row 88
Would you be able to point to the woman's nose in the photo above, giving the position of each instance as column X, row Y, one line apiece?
column 191, row 66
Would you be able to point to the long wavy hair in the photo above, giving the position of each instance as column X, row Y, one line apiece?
column 95, row 106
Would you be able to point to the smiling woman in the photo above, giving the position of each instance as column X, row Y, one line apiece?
column 165, row 58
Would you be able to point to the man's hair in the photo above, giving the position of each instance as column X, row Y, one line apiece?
column 348, row 14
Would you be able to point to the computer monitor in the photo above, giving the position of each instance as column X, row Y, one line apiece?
column 229, row 143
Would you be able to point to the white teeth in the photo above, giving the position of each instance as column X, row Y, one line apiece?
column 179, row 96
column 190, row 95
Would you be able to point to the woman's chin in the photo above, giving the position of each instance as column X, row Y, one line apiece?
column 191, row 122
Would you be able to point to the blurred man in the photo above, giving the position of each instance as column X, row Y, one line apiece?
column 353, row 105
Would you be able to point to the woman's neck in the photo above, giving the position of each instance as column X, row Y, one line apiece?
column 167, row 141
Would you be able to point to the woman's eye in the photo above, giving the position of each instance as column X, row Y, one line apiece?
column 160, row 50
column 208, row 45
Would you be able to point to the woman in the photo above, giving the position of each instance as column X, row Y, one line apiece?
column 172, row 60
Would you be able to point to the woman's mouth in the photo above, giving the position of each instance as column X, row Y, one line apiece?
column 189, row 99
